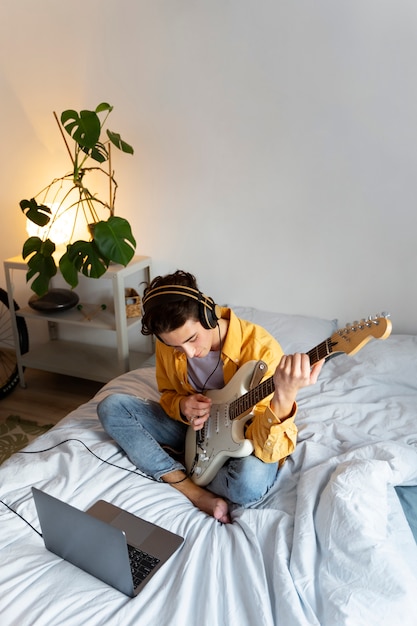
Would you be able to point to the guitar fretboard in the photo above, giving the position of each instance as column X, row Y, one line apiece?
column 246, row 402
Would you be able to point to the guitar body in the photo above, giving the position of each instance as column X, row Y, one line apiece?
column 221, row 437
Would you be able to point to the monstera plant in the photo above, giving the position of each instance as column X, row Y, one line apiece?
column 110, row 238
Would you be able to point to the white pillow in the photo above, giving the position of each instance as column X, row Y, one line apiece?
column 295, row 333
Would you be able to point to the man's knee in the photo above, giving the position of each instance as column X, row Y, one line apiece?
column 255, row 477
column 109, row 407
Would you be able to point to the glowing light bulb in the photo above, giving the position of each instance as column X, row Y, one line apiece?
column 60, row 228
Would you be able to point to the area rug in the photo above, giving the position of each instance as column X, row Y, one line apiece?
column 16, row 433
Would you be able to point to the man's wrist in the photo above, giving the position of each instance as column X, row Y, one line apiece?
column 283, row 413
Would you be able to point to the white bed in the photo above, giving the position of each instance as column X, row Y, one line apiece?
column 329, row 546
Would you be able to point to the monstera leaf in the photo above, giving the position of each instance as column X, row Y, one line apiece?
column 115, row 240
column 41, row 264
column 119, row 143
column 85, row 257
column 37, row 213
column 84, row 127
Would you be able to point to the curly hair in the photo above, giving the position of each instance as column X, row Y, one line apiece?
column 163, row 315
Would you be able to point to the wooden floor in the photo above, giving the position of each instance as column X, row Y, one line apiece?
column 47, row 397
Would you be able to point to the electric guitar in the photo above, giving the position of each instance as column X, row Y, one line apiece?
column 223, row 434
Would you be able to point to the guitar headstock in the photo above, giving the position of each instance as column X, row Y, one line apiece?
column 353, row 337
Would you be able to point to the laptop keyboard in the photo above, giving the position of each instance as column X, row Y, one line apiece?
column 141, row 564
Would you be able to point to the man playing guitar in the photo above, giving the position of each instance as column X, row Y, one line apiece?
column 200, row 348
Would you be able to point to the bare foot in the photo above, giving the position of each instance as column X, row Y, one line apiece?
column 204, row 500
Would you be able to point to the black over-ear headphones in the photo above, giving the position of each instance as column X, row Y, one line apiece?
column 208, row 311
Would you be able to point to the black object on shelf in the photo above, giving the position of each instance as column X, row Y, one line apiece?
column 54, row 301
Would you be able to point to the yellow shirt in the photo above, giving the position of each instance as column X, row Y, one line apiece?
column 273, row 439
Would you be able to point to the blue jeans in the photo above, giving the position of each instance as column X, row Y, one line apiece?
column 141, row 427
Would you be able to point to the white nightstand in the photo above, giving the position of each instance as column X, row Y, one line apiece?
column 75, row 358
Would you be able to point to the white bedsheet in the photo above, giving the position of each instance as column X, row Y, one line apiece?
column 329, row 546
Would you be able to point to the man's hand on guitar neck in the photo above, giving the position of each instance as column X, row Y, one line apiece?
column 292, row 374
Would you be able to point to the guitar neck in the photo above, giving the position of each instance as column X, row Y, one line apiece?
column 246, row 402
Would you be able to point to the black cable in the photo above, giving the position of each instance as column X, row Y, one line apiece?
column 21, row 517
column 218, row 361
column 126, row 469
column 203, row 388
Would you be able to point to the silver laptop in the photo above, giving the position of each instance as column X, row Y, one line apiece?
column 106, row 541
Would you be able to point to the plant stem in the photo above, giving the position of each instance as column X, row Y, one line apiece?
column 64, row 138
column 110, row 184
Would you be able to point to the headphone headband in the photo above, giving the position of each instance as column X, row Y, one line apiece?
column 177, row 291
column 209, row 312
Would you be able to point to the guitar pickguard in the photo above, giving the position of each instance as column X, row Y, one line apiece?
column 221, row 437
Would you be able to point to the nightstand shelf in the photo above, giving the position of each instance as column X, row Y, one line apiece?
column 75, row 358
column 103, row 320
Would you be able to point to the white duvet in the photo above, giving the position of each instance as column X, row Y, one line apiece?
column 329, row 546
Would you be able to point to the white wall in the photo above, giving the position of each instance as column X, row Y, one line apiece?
column 276, row 140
